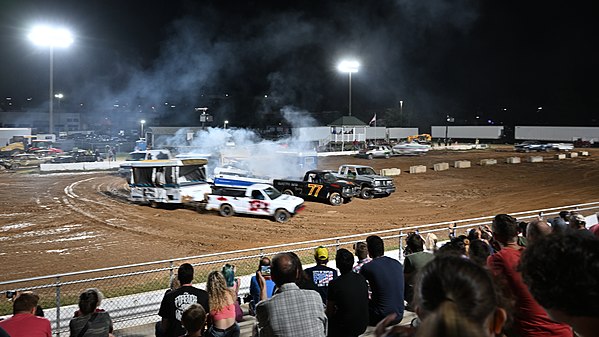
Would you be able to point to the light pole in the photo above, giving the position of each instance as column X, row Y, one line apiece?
column 449, row 120
column 51, row 37
column 225, row 124
column 349, row 67
column 142, row 122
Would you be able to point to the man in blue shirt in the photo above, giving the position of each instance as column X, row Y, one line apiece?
column 385, row 277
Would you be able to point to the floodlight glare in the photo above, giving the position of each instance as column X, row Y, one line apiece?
column 50, row 36
column 348, row 66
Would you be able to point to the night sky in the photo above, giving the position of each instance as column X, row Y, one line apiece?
column 246, row 60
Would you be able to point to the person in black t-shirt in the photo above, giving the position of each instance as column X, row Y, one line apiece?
column 347, row 300
column 175, row 302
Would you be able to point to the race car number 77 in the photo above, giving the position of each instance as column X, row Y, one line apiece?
column 314, row 189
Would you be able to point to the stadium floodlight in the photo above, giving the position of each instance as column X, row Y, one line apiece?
column 47, row 36
column 349, row 67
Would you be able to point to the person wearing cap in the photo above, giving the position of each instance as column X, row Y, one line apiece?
column 320, row 273
column 579, row 223
column 560, row 223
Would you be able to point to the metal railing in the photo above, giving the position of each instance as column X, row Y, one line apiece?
column 133, row 292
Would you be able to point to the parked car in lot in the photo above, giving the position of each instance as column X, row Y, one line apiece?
column 375, row 151
column 26, row 160
column 76, row 156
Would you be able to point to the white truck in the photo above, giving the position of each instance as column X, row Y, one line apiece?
column 257, row 199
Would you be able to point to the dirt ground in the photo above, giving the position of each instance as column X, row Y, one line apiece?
column 54, row 223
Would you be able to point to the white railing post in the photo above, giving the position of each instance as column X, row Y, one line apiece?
column 400, row 245
column 58, row 305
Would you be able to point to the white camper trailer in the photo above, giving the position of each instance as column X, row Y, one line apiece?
column 169, row 181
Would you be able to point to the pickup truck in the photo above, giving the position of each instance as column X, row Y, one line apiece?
column 319, row 185
column 369, row 182
column 257, row 199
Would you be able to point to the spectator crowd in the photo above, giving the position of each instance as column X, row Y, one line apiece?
column 513, row 278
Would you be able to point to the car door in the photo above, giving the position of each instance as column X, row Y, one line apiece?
column 257, row 203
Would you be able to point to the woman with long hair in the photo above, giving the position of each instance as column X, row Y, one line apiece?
column 221, row 301
column 454, row 297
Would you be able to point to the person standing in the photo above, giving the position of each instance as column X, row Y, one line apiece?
column 347, row 300
column 385, row 277
column 222, row 303
column 91, row 321
column 193, row 319
column 416, row 258
column 529, row 317
column 320, row 274
column 291, row 311
column 24, row 322
column 176, row 301
column 264, row 268
column 362, row 254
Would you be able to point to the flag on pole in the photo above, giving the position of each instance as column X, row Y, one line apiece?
column 373, row 120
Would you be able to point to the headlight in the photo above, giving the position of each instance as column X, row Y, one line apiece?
column 377, row 183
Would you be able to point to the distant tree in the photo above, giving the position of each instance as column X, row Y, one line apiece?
column 394, row 117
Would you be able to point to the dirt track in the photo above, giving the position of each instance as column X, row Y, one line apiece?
column 57, row 223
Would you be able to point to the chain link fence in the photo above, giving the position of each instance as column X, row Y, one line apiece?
column 133, row 292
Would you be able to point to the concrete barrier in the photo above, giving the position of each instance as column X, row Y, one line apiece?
column 487, row 162
column 560, row 156
column 535, row 159
column 91, row 166
column 573, row 154
column 584, row 153
column 418, row 169
column 513, row 160
column 441, row 167
column 390, row 172
column 461, row 164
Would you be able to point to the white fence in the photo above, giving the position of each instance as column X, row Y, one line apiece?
column 134, row 291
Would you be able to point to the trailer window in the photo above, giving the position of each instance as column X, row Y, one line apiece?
column 142, row 176
column 192, row 173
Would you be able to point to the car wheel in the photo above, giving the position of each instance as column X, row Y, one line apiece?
column 282, row 215
column 288, row 192
column 226, row 210
column 335, row 199
column 370, row 156
column 366, row 193
column 155, row 204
